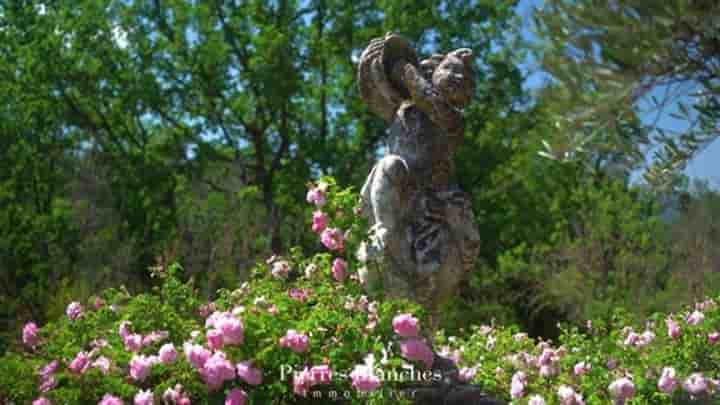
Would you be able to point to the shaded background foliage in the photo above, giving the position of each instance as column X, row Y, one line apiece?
column 146, row 131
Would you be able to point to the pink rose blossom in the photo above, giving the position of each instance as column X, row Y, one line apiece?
column 667, row 380
column 299, row 294
column 673, row 328
column 49, row 369
column 621, row 390
column 695, row 384
column 236, row 397
column 217, row 369
column 364, row 379
column 110, row 400
column 568, row 396
column 320, row 221
column 517, row 386
column 316, row 195
column 42, row 401
column 695, row 318
column 415, row 349
column 333, row 239
column 280, row 269
column 30, row 334
column 230, row 327
column 47, row 384
column 406, row 325
column 295, row 341
column 140, row 367
column 167, row 353
column 714, row 337
column 124, row 329
column 74, row 310
column 248, row 373
column 320, row 374
column 582, row 368
column 133, row 342
column 196, row 354
column 301, row 382
column 214, row 339
column 338, row 269
column 143, row 398
column 80, row 363
column 547, row 371
column 102, row 363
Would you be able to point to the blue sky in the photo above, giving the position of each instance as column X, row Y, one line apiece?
column 705, row 165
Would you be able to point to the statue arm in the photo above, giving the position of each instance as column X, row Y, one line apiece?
column 426, row 98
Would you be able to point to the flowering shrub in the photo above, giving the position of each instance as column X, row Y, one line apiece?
column 302, row 330
column 672, row 358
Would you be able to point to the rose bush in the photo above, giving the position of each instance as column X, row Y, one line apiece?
column 303, row 330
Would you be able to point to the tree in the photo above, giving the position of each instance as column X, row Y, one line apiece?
column 609, row 59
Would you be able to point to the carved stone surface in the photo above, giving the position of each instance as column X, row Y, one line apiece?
column 423, row 234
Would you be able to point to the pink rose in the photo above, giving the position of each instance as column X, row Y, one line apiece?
column 102, row 363
column 714, row 338
column 406, row 325
column 133, row 342
column 110, row 400
column 695, row 384
column 250, row 374
column 74, row 310
column 316, row 195
column 568, row 396
column 415, row 349
column 695, row 318
column 280, row 269
column 217, row 369
column 143, row 398
column 295, row 341
column 622, row 389
column 338, row 269
column 320, row 374
column 236, row 397
column 333, row 239
column 582, row 368
column 673, row 328
column 320, row 221
column 667, row 380
column 140, row 367
column 167, row 353
column 196, row 354
column 517, row 386
column 214, row 339
column 364, row 379
column 80, row 363
column 124, row 329
column 42, row 401
column 47, row 384
column 30, row 334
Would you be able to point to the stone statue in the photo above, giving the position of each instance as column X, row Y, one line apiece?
column 423, row 234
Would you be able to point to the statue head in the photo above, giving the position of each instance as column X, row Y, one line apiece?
column 452, row 75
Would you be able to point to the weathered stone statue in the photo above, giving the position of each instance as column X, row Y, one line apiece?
column 423, row 235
